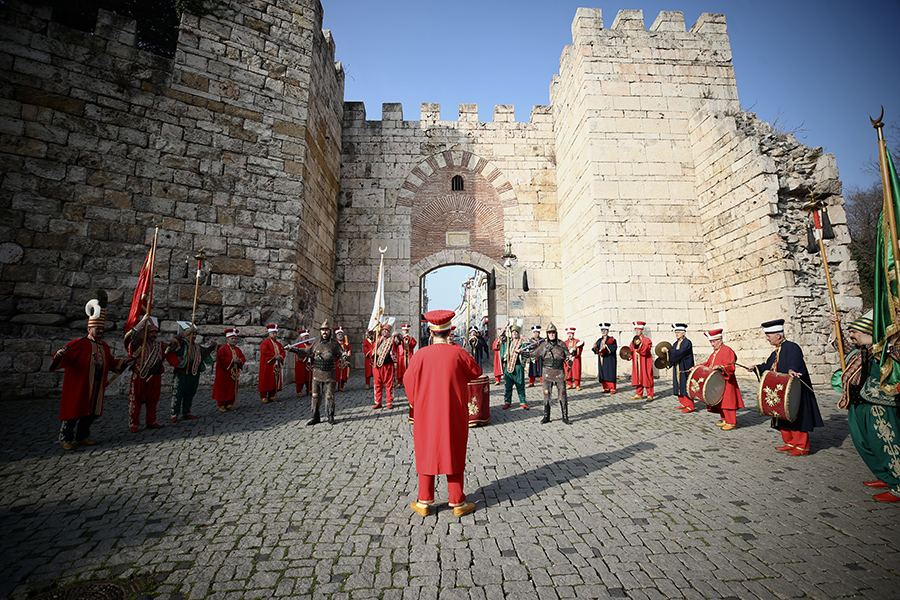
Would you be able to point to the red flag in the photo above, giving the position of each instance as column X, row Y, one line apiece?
column 142, row 301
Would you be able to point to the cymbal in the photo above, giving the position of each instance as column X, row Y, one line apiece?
column 662, row 345
column 625, row 352
column 661, row 363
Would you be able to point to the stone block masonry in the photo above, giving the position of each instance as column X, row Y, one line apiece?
column 232, row 146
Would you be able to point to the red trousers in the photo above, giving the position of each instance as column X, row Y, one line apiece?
column 384, row 384
column 639, row 391
column 686, row 402
column 798, row 439
column 143, row 393
column 729, row 415
column 610, row 385
column 454, row 489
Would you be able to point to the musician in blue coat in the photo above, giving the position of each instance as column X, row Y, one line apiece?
column 681, row 359
column 605, row 349
column 788, row 358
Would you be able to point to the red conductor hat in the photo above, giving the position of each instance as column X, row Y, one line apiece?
column 439, row 320
column 714, row 334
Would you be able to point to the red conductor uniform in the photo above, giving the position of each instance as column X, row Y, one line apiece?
column 724, row 359
column 437, row 384
column 271, row 357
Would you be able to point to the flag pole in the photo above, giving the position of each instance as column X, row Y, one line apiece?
column 149, row 295
column 888, row 196
column 815, row 207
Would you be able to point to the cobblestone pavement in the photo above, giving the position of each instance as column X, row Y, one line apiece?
column 633, row 500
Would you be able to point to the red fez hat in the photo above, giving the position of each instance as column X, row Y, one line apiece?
column 714, row 334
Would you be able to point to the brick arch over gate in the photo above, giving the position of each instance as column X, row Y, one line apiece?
column 473, row 216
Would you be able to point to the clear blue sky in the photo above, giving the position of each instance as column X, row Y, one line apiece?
column 823, row 66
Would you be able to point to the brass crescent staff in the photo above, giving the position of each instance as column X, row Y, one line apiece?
column 886, row 186
column 814, row 206
column 200, row 256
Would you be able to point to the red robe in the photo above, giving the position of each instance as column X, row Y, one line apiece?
column 642, row 363
column 301, row 374
column 573, row 373
column 404, row 354
column 726, row 358
column 339, row 373
column 269, row 367
column 437, row 386
column 368, row 355
column 82, row 394
column 498, row 366
column 229, row 360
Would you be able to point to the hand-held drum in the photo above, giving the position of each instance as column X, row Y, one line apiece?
column 479, row 401
column 778, row 396
column 706, row 384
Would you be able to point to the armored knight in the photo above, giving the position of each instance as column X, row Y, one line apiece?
column 324, row 352
column 553, row 354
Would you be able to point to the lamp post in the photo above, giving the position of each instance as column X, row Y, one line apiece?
column 508, row 258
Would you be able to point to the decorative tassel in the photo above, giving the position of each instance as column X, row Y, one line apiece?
column 827, row 229
column 812, row 244
column 525, row 281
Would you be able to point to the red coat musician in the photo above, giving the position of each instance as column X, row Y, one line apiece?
column 146, row 376
column 303, row 366
column 87, row 362
column 386, row 356
column 369, row 356
column 723, row 358
column 498, row 362
column 271, row 358
column 342, row 366
column 404, row 352
column 437, row 383
column 641, row 363
column 229, row 362
column 573, row 368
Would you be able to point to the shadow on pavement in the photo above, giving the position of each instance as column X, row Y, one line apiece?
column 523, row 485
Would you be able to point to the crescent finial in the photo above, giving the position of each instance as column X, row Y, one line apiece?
column 382, row 250
column 877, row 122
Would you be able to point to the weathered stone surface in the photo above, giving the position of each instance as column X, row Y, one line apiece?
column 231, row 266
column 46, row 319
column 27, row 362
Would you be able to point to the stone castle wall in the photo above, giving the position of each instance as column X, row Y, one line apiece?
column 641, row 192
column 232, row 146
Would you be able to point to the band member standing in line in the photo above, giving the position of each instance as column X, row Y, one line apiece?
column 404, row 352
column 271, row 357
column 302, row 366
column 641, row 363
column 498, row 359
column 513, row 370
column 369, row 356
column 229, row 362
column 681, row 359
column 534, row 363
column 342, row 366
column 605, row 349
column 387, row 349
column 573, row 365
column 723, row 359
column 788, row 358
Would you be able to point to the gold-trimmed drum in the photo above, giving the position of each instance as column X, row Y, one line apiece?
column 479, row 401
column 778, row 396
column 706, row 384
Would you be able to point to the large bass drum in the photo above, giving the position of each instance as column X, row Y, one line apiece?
column 706, row 385
column 778, row 396
column 479, row 402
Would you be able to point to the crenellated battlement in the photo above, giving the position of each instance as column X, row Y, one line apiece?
column 430, row 113
column 668, row 32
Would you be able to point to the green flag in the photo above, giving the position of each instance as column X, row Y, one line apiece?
column 887, row 300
